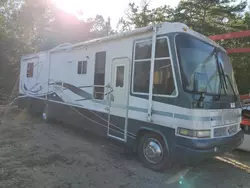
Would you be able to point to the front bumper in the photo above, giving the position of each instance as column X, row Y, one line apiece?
column 200, row 149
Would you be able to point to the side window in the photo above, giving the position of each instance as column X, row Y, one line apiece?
column 163, row 73
column 82, row 67
column 99, row 77
column 142, row 66
column 163, row 78
column 119, row 76
column 141, row 76
column 30, row 70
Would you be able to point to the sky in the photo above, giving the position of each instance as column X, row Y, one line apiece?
column 107, row 8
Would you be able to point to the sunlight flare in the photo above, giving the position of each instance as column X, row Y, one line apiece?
column 71, row 6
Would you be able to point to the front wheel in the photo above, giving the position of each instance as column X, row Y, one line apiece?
column 153, row 152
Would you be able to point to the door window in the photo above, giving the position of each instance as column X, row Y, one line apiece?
column 119, row 76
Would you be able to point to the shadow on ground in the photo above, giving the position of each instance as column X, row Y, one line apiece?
column 35, row 154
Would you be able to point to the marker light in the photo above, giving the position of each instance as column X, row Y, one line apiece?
column 184, row 29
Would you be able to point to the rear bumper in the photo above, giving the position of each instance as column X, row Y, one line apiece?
column 194, row 149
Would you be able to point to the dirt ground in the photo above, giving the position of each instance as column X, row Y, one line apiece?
column 35, row 154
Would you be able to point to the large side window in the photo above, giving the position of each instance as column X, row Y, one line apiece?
column 99, row 78
column 163, row 74
column 30, row 70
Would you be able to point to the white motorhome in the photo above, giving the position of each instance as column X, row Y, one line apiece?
column 164, row 90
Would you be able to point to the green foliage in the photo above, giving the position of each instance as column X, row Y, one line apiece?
column 209, row 16
column 141, row 16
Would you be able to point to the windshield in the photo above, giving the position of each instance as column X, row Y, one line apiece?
column 196, row 56
column 224, row 61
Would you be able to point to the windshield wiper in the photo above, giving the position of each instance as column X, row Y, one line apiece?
column 231, row 85
column 224, row 76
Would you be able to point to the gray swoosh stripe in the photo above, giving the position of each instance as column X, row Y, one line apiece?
column 169, row 114
column 87, row 96
column 197, row 118
column 176, row 115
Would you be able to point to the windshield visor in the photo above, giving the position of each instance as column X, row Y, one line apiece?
column 197, row 57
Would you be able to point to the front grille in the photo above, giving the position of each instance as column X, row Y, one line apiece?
column 232, row 129
column 225, row 131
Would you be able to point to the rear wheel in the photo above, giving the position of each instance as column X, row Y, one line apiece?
column 153, row 152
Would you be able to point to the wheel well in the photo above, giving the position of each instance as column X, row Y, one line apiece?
column 146, row 131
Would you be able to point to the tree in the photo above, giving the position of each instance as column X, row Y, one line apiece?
column 15, row 39
column 209, row 16
column 141, row 16
column 100, row 27
column 241, row 62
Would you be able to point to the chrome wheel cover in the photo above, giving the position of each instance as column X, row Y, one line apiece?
column 153, row 151
column 45, row 116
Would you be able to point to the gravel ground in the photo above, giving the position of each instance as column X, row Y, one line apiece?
column 35, row 154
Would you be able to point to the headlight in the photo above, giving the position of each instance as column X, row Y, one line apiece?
column 204, row 134
column 194, row 133
column 186, row 132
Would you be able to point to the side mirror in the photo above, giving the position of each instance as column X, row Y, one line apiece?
column 200, row 82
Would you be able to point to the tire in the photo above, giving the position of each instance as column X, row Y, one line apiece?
column 154, row 141
column 45, row 115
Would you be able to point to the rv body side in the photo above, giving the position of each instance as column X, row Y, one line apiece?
column 101, row 86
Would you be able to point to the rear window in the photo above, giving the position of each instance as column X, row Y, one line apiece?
column 30, row 69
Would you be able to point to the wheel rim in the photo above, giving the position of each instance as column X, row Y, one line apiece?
column 153, row 151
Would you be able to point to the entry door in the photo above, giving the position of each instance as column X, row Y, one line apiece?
column 118, row 99
column 30, row 75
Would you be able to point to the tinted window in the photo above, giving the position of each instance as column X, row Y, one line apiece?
column 119, row 76
column 141, row 76
column 100, row 62
column 99, row 78
column 196, row 56
column 231, row 85
column 143, row 50
column 161, row 48
column 82, row 67
column 30, row 69
column 163, row 77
